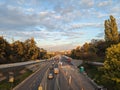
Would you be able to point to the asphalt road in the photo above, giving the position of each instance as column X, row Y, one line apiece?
column 68, row 78
column 59, row 82
column 77, row 81
column 51, row 83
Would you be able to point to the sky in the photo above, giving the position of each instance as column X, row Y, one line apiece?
column 56, row 24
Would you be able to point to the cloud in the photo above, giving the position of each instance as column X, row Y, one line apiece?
column 49, row 19
column 72, row 34
column 20, row 1
column 15, row 18
column 86, row 3
column 100, row 35
column 84, row 25
column 115, row 9
column 104, row 3
column 68, row 46
column 54, row 21
column 30, row 10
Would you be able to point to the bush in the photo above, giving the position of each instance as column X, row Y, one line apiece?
column 111, row 68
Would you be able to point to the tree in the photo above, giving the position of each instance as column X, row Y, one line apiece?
column 73, row 53
column 32, row 51
column 86, row 47
column 18, row 51
column 112, row 65
column 43, row 53
column 4, row 50
column 111, row 31
column 101, row 47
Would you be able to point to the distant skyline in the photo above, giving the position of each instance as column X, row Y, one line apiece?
column 56, row 24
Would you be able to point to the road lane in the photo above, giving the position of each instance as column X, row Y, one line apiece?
column 51, row 83
column 78, row 81
column 63, row 81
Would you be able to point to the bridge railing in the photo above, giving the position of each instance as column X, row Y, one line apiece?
column 20, row 64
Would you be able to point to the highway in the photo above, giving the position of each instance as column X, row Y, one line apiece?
column 68, row 78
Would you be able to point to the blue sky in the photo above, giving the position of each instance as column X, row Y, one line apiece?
column 56, row 24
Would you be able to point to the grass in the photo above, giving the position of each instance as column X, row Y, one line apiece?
column 93, row 72
column 5, row 85
column 97, row 75
column 20, row 78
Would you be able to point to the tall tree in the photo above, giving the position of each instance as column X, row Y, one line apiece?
column 111, row 31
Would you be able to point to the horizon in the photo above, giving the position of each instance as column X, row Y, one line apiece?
column 56, row 25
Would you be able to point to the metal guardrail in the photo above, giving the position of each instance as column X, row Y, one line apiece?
column 96, row 63
column 20, row 64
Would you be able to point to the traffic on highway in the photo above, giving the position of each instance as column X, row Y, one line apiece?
column 57, row 73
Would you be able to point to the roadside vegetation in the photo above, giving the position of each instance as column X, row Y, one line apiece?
column 19, row 51
column 6, row 85
column 106, row 51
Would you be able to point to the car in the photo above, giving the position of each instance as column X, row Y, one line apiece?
column 50, row 76
column 53, row 64
column 56, row 70
column 51, row 67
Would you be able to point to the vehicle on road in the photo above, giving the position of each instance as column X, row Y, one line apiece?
column 69, row 60
column 51, row 68
column 53, row 64
column 56, row 70
column 50, row 76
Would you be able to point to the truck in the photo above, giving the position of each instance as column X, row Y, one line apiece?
column 69, row 60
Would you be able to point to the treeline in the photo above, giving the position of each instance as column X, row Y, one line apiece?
column 90, row 51
column 19, row 51
column 109, row 50
column 96, row 49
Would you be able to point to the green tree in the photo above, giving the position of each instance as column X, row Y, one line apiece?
column 73, row 53
column 112, row 66
column 18, row 51
column 43, row 53
column 32, row 51
column 4, row 50
column 101, row 47
column 111, row 31
column 86, row 47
